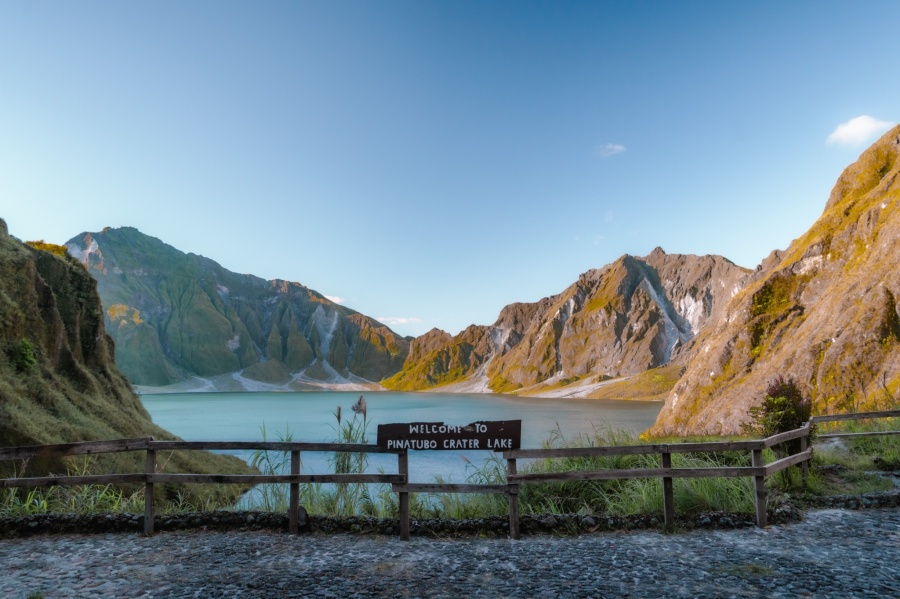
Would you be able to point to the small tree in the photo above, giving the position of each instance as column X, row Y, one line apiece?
column 783, row 409
column 23, row 356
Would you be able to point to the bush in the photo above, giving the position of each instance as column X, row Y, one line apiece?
column 23, row 356
column 59, row 250
column 783, row 409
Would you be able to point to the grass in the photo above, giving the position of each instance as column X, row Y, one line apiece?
column 343, row 499
column 80, row 499
column 886, row 448
column 632, row 496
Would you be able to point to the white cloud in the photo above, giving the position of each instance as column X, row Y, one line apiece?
column 398, row 320
column 335, row 299
column 609, row 149
column 858, row 130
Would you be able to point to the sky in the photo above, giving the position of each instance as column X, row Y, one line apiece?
column 428, row 162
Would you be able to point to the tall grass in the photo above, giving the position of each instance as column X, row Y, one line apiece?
column 340, row 499
column 80, row 499
column 271, row 497
column 350, row 498
column 885, row 448
column 632, row 496
column 882, row 452
column 465, row 505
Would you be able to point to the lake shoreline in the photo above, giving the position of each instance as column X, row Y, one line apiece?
column 234, row 383
column 311, row 417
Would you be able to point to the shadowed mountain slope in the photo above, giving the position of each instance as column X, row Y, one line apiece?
column 58, row 379
column 175, row 316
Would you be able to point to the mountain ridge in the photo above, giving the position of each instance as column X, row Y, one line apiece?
column 823, row 311
column 180, row 317
column 622, row 319
column 59, row 382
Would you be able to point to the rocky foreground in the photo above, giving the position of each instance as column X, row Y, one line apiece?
column 832, row 553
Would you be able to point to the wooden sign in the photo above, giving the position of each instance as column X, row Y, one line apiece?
column 496, row 435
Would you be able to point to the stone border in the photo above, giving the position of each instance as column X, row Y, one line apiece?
column 495, row 526
column 789, row 510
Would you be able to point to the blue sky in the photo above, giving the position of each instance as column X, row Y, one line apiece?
column 428, row 163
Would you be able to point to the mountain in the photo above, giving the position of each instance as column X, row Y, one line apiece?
column 178, row 317
column 58, row 378
column 630, row 316
column 824, row 311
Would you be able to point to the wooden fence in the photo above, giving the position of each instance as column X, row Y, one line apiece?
column 856, row 416
column 151, row 477
column 758, row 470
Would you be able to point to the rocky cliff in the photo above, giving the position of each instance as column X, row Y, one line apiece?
column 58, row 378
column 177, row 316
column 630, row 316
column 824, row 311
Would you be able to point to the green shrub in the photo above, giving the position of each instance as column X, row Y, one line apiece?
column 23, row 356
column 783, row 409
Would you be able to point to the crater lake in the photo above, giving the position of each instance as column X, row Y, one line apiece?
column 310, row 417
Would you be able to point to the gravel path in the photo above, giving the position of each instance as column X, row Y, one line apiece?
column 832, row 553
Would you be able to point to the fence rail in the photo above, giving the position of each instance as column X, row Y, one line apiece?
column 759, row 470
column 151, row 477
column 856, row 416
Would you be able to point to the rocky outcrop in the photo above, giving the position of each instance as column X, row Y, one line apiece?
column 824, row 311
column 630, row 316
column 175, row 316
column 58, row 377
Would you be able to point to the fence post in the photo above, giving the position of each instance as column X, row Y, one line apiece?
column 150, row 470
column 668, row 491
column 294, row 507
column 760, row 484
column 804, row 464
column 513, row 492
column 403, row 469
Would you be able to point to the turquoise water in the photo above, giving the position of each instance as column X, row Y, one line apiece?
column 310, row 417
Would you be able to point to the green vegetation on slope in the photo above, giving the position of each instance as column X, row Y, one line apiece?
column 824, row 311
column 58, row 380
column 195, row 318
column 654, row 384
column 443, row 366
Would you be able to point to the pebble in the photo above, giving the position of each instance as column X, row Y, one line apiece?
column 830, row 553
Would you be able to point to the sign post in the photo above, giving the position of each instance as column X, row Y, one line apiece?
column 492, row 435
